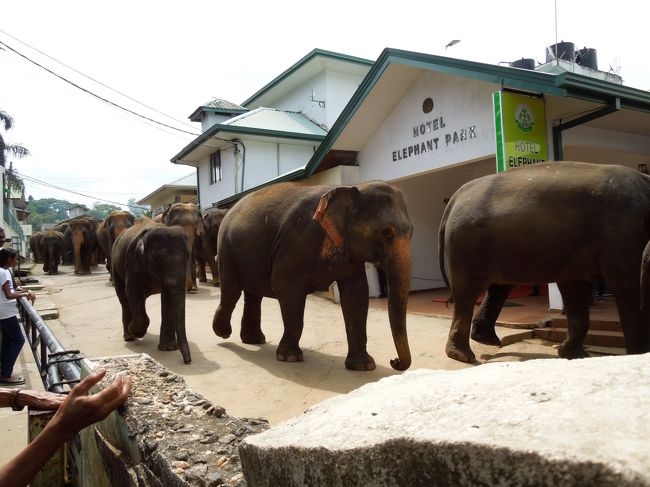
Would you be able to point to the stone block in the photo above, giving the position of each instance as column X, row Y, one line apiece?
column 536, row 423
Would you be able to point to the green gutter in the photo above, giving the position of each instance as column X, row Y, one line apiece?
column 315, row 53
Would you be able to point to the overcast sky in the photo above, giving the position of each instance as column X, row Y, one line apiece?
column 175, row 56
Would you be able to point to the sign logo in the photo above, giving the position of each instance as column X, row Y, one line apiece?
column 524, row 118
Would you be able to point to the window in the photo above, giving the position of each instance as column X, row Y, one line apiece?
column 215, row 167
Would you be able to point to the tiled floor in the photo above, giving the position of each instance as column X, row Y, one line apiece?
column 527, row 310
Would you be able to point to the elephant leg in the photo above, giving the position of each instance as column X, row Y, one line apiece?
column 575, row 295
column 354, row 305
column 167, row 329
column 457, row 346
column 214, row 269
column 221, row 322
column 292, row 306
column 126, row 310
column 194, row 287
column 46, row 264
column 634, row 323
column 484, row 321
column 251, row 329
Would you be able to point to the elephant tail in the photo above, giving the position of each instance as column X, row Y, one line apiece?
column 645, row 277
column 441, row 251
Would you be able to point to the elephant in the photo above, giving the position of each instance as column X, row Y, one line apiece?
column 81, row 236
column 188, row 217
column 572, row 223
column 150, row 258
column 35, row 245
column 211, row 223
column 51, row 243
column 108, row 231
column 288, row 240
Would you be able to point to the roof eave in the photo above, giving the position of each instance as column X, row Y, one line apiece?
column 301, row 63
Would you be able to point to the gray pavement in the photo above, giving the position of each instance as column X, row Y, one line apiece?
column 245, row 379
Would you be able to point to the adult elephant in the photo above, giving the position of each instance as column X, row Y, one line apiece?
column 288, row 240
column 211, row 224
column 35, row 246
column 81, row 236
column 567, row 222
column 52, row 244
column 109, row 229
column 188, row 217
column 150, row 258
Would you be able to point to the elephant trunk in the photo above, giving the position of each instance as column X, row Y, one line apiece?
column 177, row 310
column 77, row 242
column 398, row 277
column 645, row 277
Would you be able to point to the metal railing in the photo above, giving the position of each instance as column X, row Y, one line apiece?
column 12, row 221
column 57, row 366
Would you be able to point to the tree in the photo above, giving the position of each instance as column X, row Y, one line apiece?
column 102, row 210
column 136, row 210
column 46, row 210
column 11, row 179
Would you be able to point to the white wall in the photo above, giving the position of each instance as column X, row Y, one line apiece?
column 210, row 118
column 298, row 99
column 210, row 193
column 461, row 129
column 292, row 156
column 340, row 88
column 592, row 136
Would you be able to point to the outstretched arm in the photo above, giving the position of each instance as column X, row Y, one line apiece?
column 77, row 411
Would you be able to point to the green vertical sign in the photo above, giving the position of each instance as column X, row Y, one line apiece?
column 520, row 129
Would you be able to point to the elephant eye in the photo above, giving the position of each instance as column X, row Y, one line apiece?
column 389, row 234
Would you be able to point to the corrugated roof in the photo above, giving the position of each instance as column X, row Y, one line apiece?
column 276, row 120
column 222, row 105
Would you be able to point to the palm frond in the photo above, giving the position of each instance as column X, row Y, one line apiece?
column 17, row 150
column 6, row 120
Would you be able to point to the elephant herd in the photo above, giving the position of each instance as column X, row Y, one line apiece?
column 567, row 222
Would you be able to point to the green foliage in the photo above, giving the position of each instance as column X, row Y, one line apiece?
column 102, row 210
column 46, row 210
column 136, row 210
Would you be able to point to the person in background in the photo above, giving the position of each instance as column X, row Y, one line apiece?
column 12, row 336
column 75, row 411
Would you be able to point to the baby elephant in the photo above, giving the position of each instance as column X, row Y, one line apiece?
column 51, row 246
column 151, row 258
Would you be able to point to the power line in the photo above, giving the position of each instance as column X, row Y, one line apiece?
column 105, row 100
column 49, row 185
column 94, row 80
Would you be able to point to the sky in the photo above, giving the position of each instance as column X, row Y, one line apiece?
column 165, row 59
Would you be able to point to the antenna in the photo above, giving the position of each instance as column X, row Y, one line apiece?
column 555, row 54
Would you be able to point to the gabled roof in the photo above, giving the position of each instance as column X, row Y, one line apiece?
column 262, row 122
column 394, row 69
column 217, row 105
column 185, row 183
column 306, row 68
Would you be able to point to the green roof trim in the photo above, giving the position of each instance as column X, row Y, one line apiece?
column 196, row 114
column 315, row 53
column 565, row 84
column 217, row 128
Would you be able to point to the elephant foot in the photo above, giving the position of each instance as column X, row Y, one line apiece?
column 129, row 337
column 569, row 352
column 193, row 290
column 221, row 330
column 166, row 347
column 462, row 354
column 289, row 355
column 360, row 362
column 485, row 334
column 256, row 338
column 216, row 283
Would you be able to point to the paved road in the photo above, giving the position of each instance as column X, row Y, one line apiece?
column 245, row 379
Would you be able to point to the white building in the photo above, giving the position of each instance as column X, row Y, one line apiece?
column 424, row 123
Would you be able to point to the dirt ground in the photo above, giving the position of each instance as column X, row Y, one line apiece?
column 246, row 380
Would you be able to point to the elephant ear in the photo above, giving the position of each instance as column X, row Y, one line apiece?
column 335, row 212
column 163, row 218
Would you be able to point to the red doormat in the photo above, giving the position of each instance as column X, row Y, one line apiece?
column 518, row 292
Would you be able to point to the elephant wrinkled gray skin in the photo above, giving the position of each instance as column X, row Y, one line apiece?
column 150, row 258
column 188, row 217
column 567, row 222
column 109, row 230
column 51, row 245
column 36, row 247
column 288, row 240
column 80, row 242
column 211, row 224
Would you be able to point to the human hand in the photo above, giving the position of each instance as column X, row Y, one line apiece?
column 41, row 400
column 80, row 410
column 31, row 296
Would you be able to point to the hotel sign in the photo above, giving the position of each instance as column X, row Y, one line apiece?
column 520, row 127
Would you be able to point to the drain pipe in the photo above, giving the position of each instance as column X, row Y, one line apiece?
column 237, row 143
column 558, row 153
